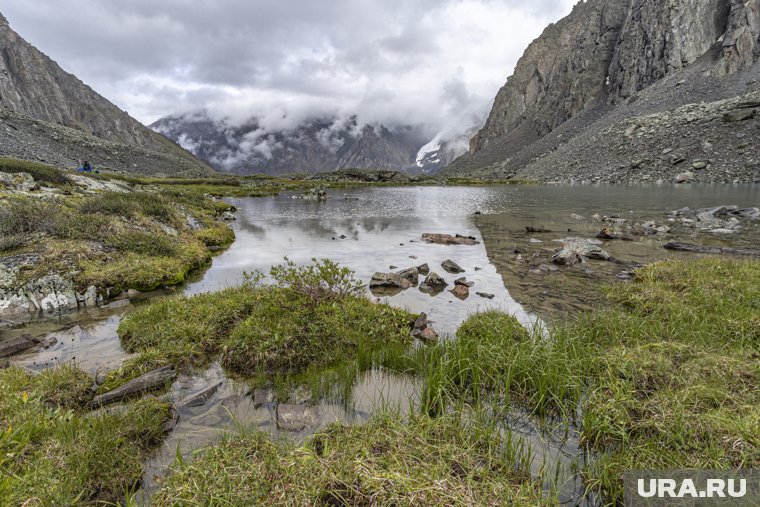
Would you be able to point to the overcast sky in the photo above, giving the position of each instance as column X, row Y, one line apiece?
column 437, row 62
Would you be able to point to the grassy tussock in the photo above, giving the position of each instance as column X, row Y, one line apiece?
column 304, row 320
column 141, row 271
column 667, row 378
column 53, row 453
column 215, row 236
column 424, row 462
column 112, row 240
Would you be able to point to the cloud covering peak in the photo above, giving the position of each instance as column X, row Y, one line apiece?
column 437, row 63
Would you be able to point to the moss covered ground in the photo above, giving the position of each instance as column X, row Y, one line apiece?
column 140, row 239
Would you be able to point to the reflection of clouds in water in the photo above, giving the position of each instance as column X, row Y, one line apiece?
column 383, row 228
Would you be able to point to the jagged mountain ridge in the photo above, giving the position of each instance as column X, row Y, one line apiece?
column 36, row 93
column 610, row 62
column 314, row 145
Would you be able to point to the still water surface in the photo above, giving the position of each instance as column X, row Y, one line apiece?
column 370, row 230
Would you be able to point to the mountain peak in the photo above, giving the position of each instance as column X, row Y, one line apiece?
column 33, row 88
column 316, row 144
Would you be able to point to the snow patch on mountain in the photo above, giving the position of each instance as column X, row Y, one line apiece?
column 433, row 147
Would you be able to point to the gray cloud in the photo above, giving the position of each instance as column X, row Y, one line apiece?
column 432, row 62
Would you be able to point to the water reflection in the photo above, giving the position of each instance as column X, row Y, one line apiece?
column 370, row 230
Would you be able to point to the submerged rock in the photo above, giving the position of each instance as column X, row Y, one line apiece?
column 463, row 281
column 712, row 250
column 485, row 295
column 201, row 397
column 296, row 417
column 447, row 239
column 423, row 269
column 575, row 250
column 17, row 345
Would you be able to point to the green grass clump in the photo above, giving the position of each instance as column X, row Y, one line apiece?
column 53, row 452
column 495, row 357
column 24, row 219
column 145, row 244
column 668, row 405
column 425, row 462
column 142, row 270
column 666, row 378
column 186, row 329
column 215, row 236
column 287, row 333
column 130, row 205
column 309, row 317
column 40, row 172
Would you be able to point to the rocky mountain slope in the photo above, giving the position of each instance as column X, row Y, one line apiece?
column 43, row 108
column 315, row 145
column 625, row 90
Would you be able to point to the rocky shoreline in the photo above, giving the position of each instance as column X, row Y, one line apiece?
column 64, row 240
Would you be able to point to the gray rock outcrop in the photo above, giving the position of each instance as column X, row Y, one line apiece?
column 52, row 293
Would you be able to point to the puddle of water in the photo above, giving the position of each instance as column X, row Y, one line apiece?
column 233, row 406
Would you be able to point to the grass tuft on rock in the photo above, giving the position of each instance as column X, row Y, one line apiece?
column 424, row 462
column 53, row 452
column 111, row 240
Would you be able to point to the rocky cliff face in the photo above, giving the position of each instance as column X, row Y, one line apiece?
column 659, row 37
column 560, row 73
column 315, row 145
column 34, row 87
column 592, row 66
